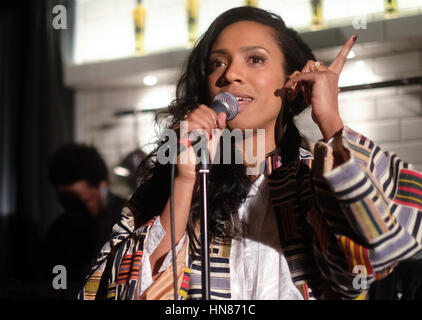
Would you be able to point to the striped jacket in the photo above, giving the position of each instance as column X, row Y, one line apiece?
column 363, row 216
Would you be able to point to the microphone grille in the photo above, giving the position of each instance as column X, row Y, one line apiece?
column 230, row 103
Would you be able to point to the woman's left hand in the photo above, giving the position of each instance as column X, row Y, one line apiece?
column 319, row 85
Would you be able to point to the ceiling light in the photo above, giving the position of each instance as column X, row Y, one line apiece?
column 121, row 171
column 150, row 80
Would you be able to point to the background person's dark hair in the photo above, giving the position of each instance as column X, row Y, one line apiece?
column 75, row 162
column 228, row 183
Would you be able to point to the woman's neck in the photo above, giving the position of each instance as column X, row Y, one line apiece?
column 255, row 146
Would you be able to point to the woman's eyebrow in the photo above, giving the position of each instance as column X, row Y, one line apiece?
column 243, row 49
column 251, row 48
column 218, row 51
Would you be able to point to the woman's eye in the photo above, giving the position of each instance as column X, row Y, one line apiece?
column 216, row 64
column 256, row 59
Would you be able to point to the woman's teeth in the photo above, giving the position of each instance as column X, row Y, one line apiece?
column 243, row 99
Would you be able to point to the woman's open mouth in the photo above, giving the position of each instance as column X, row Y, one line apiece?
column 243, row 100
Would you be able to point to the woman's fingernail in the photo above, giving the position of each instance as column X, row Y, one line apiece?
column 355, row 37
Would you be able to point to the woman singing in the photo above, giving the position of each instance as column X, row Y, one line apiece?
column 319, row 215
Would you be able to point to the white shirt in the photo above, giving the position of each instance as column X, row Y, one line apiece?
column 258, row 268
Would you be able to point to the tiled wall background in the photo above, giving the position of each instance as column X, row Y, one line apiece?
column 391, row 116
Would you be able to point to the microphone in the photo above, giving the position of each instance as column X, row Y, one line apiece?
column 222, row 102
column 227, row 103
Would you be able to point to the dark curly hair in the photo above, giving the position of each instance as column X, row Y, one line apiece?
column 228, row 183
column 74, row 162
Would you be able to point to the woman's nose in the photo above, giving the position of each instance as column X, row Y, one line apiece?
column 234, row 72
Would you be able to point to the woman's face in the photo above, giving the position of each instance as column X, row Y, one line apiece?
column 247, row 62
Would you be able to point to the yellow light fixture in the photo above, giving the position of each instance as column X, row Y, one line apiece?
column 317, row 18
column 139, row 15
column 192, row 11
column 251, row 3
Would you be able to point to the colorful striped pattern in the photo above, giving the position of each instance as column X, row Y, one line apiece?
column 219, row 278
column 92, row 285
column 409, row 191
column 304, row 290
column 108, row 260
column 356, row 254
column 183, row 292
column 129, row 267
column 219, row 270
column 361, row 152
column 111, row 291
column 382, row 274
column 272, row 163
column 291, row 196
column 368, row 213
column 128, row 262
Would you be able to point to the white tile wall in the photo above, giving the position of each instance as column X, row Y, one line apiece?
column 378, row 130
column 399, row 63
column 411, row 151
column 411, row 128
column 358, row 109
column 408, row 105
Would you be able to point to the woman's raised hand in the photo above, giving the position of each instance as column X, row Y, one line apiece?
column 319, row 85
column 203, row 120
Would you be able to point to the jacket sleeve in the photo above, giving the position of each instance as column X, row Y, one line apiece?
column 372, row 211
column 115, row 273
column 122, row 270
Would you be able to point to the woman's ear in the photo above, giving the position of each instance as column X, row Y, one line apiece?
column 292, row 92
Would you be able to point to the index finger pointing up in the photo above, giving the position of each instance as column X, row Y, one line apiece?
column 341, row 58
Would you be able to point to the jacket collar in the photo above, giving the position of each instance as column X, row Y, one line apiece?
column 274, row 160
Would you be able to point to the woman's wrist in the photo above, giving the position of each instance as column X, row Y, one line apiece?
column 186, row 179
column 330, row 128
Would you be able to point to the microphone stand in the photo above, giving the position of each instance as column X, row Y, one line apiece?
column 205, row 263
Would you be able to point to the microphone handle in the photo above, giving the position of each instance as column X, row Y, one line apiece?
column 195, row 136
column 219, row 107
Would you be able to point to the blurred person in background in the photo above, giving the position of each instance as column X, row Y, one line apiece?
column 80, row 178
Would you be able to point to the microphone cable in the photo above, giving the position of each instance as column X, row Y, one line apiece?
column 173, row 240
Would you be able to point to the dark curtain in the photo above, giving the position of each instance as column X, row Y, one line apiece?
column 36, row 116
